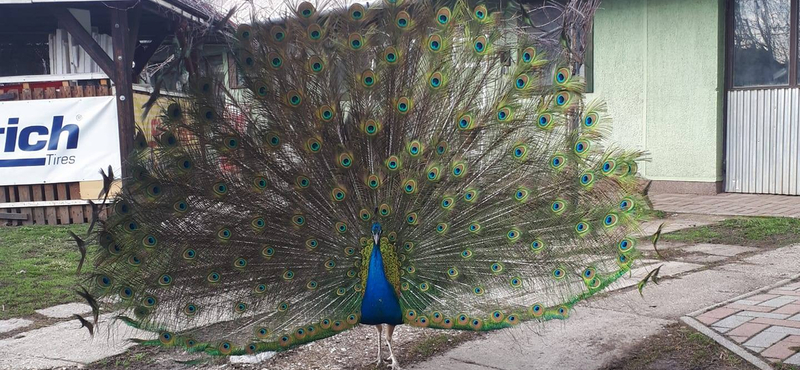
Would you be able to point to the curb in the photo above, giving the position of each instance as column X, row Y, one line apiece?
column 689, row 319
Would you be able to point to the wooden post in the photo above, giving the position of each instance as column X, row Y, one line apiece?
column 120, row 38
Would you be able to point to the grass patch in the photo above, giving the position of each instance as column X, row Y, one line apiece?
column 654, row 214
column 37, row 268
column 430, row 345
column 747, row 231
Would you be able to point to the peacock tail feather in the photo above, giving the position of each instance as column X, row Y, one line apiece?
column 455, row 126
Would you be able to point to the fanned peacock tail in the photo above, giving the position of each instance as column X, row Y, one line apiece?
column 465, row 135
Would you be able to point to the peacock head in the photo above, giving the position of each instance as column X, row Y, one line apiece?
column 376, row 232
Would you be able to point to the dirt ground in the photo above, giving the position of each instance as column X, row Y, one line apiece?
column 354, row 349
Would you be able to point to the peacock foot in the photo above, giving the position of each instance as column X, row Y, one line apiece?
column 380, row 363
column 394, row 365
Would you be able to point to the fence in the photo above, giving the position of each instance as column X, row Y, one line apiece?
column 47, row 204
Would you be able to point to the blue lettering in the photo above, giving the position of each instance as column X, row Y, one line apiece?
column 11, row 135
column 55, row 134
column 25, row 138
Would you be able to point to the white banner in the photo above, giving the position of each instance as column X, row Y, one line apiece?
column 58, row 140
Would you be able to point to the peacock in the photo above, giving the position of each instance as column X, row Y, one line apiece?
column 434, row 164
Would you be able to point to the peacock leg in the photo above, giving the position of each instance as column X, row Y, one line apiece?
column 380, row 358
column 389, row 331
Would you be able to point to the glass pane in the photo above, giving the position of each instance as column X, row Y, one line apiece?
column 761, row 42
column 24, row 55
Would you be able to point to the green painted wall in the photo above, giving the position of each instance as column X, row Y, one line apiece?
column 659, row 66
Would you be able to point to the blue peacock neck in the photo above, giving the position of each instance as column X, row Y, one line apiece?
column 380, row 304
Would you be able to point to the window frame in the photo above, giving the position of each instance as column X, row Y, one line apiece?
column 794, row 59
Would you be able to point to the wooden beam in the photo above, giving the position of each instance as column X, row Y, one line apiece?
column 134, row 18
column 67, row 21
column 143, row 56
column 13, row 216
column 123, row 83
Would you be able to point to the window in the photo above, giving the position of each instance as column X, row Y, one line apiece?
column 546, row 18
column 762, row 42
column 24, row 55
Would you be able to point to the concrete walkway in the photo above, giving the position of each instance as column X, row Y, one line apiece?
column 66, row 344
column 729, row 204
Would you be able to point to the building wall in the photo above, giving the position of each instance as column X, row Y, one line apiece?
column 659, row 66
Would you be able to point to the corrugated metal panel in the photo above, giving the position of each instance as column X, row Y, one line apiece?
column 763, row 155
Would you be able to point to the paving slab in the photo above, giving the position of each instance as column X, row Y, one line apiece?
column 794, row 360
column 595, row 332
column 768, row 315
column 37, row 349
column 719, row 249
column 13, row 324
column 778, row 263
column 693, row 291
column 779, row 301
column 702, row 258
column 783, row 330
column 731, row 322
column 765, row 339
column 66, row 310
column 647, row 246
column 668, row 268
column 677, row 222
